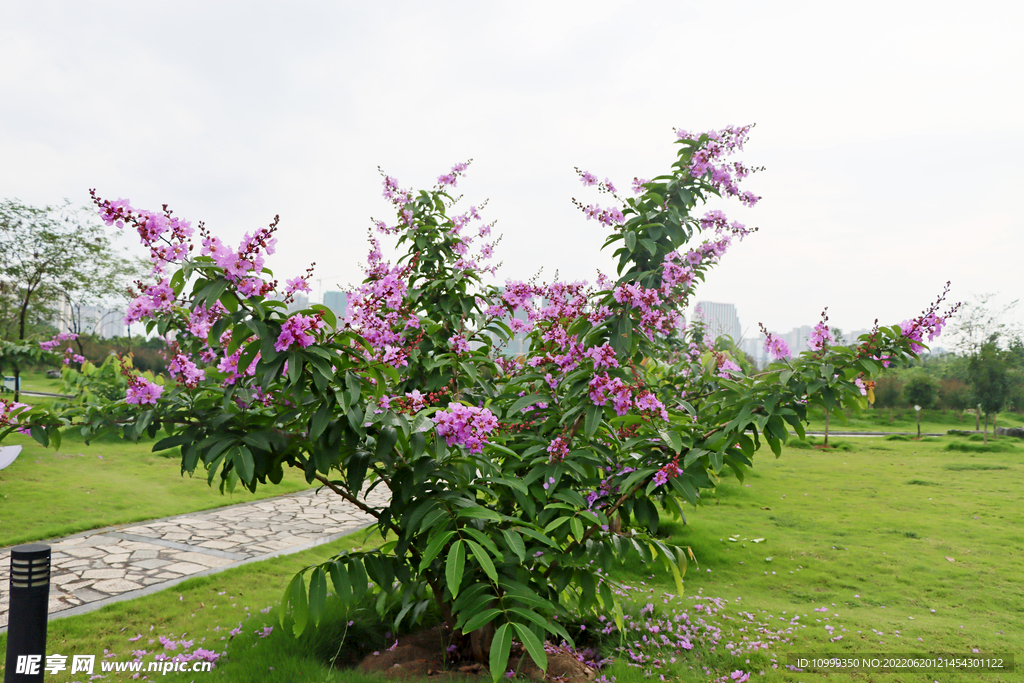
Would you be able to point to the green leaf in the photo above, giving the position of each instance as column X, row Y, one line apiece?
column 230, row 301
column 317, row 594
column 524, row 402
column 484, row 559
column 479, row 619
column 674, row 440
column 353, row 389
column 321, row 418
column 386, row 441
column 39, row 434
column 577, row 528
column 533, row 645
column 357, row 575
column 172, row 441
column 241, row 456
column 295, row 598
column 455, row 565
column 536, row 535
column 500, row 647
column 631, row 240
column 434, row 547
column 594, row 415
column 339, row 577
column 515, row 543
column 478, row 512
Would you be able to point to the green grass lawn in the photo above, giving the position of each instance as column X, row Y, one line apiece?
column 48, row 493
column 904, row 420
column 898, row 547
column 223, row 612
column 36, row 380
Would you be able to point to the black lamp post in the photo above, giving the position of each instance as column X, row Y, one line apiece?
column 26, row 617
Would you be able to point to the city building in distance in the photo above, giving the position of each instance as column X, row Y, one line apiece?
column 101, row 321
column 719, row 319
column 337, row 302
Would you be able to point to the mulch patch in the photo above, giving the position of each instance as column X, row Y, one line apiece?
column 423, row 655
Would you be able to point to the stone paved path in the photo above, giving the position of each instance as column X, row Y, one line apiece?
column 91, row 569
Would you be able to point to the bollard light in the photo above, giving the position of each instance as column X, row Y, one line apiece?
column 917, row 411
column 26, row 615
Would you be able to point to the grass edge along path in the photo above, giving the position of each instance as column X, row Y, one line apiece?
column 53, row 493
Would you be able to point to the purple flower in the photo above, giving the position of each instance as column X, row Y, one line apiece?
column 141, row 391
column 294, row 331
column 778, row 348
column 820, row 336
column 465, row 425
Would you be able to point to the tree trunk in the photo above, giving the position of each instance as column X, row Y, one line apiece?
column 826, row 428
column 977, row 418
column 986, row 429
column 994, row 416
column 480, row 642
column 890, row 415
column 22, row 315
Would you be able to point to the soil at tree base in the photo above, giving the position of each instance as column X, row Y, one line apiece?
column 422, row 655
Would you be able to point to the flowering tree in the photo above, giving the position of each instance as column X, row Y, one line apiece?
column 515, row 483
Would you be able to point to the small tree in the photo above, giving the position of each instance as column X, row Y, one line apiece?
column 505, row 477
column 989, row 379
column 920, row 389
column 955, row 395
column 49, row 256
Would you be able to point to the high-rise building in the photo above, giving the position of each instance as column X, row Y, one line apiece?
column 337, row 302
column 797, row 338
column 99, row 320
column 755, row 349
column 720, row 319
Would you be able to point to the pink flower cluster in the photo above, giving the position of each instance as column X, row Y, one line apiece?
column 776, row 347
column 820, row 337
column 452, row 177
column 603, row 387
column 244, row 266
column 606, row 217
column 182, row 369
column 669, row 471
column 466, row 426
column 707, row 160
column 201, row 319
column 142, row 392
column 56, row 340
column 69, row 353
column 9, row 412
column 377, row 310
column 915, row 329
column 156, row 298
column 558, row 449
column 727, row 366
column 153, row 229
column 717, row 220
column 647, row 402
column 656, row 317
column 295, row 331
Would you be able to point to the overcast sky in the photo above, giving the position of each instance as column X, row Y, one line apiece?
column 892, row 133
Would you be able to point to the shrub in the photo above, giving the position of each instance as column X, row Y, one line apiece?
column 507, row 480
